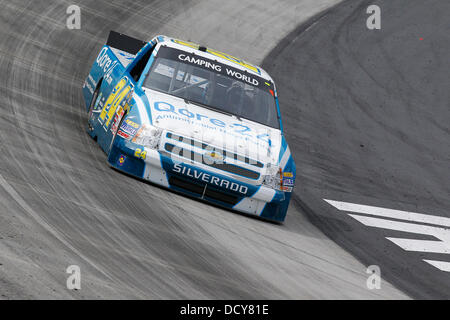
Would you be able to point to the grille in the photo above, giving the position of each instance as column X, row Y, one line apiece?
column 193, row 156
column 202, row 145
column 199, row 189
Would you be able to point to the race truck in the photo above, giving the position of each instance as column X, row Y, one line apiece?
column 191, row 119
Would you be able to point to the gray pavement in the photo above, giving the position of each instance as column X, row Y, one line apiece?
column 62, row 204
column 367, row 117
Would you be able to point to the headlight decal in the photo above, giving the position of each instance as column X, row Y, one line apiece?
column 276, row 179
column 148, row 136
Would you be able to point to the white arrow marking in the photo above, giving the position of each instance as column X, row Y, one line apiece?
column 412, row 226
column 390, row 213
column 422, row 245
column 443, row 265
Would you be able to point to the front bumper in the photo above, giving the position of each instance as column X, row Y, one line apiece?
column 189, row 179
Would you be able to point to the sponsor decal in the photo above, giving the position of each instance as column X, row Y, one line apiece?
column 121, row 160
column 119, row 114
column 214, row 65
column 119, row 96
column 124, row 135
column 243, row 77
column 140, row 154
column 221, row 55
column 218, row 68
column 289, row 182
column 201, row 62
column 106, row 64
column 208, row 178
column 129, row 128
column 117, row 119
column 132, row 124
column 239, row 130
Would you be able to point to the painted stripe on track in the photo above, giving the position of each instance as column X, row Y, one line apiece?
column 390, row 213
column 415, row 223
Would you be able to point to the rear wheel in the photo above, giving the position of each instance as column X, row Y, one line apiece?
column 94, row 99
column 90, row 129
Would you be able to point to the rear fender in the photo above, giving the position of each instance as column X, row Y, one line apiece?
column 107, row 67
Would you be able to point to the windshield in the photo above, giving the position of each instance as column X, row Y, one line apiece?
column 214, row 85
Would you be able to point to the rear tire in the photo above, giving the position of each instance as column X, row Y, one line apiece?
column 90, row 129
column 94, row 99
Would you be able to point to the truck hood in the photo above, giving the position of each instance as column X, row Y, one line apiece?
column 244, row 137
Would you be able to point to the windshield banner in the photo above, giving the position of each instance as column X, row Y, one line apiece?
column 213, row 65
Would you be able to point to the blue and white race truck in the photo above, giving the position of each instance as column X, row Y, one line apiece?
column 193, row 120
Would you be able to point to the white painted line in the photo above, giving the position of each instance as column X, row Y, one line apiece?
column 401, row 226
column 390, row 213
column 443, row 265
column 413, row 223
column 422, row 245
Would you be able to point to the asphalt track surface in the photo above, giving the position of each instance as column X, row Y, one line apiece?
column 373, row 112
column 62, row 205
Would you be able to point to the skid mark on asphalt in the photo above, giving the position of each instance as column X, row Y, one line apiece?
column 13, row 193
column 416, row 223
